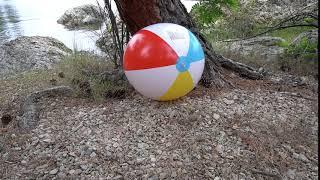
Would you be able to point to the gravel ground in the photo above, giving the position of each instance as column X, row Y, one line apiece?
column 239, row 134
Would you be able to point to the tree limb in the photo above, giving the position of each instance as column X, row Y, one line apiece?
column 294, row 19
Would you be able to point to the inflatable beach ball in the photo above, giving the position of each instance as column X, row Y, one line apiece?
column 163, row 61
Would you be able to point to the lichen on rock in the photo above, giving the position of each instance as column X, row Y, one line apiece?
column 82, row 17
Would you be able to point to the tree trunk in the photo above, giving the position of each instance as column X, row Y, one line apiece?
column 138, row 14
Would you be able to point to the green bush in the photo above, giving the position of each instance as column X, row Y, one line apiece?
column 237, row 23
column 207, row 12
column 304, row 49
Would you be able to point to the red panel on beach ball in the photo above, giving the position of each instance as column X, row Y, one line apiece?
column 147, row 50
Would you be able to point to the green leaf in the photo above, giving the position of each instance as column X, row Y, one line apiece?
column 209, row 11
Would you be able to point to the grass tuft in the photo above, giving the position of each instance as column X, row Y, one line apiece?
column 85, row 73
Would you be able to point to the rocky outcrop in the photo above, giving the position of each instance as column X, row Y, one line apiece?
column 265, row 47
column 265, row 11
column 26, row 53
column 80, row 17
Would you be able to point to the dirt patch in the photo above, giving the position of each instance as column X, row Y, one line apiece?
column 253, row 131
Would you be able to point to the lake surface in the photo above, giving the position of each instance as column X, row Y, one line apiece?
column 39, row 18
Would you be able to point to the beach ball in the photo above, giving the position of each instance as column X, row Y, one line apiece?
column 163, row 61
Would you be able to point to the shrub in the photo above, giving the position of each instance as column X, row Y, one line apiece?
column 237, row 23
column 304, row 49
column 208, row 12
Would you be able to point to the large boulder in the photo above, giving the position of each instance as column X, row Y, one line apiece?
column 81, row 17
column 265, row 48
column 26, row 53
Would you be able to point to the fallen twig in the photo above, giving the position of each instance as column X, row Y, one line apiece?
column 254, row 171
column 299, row 95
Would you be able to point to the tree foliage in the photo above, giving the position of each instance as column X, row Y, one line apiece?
column 208, row 11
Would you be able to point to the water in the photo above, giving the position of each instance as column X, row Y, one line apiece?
column 39, row 18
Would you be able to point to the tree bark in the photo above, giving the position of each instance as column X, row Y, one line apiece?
column 138, row 14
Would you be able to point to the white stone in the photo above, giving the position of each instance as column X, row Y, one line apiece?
column 227, row 101
column 216, row 116
column 53, row 172
column 93, row 154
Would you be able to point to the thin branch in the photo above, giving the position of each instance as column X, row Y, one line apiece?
column 254, row 171
column 271, row 30
column 293, row 18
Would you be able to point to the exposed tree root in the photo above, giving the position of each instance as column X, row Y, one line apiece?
column 242, row 69
column 212, row 74
column 30, row 108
